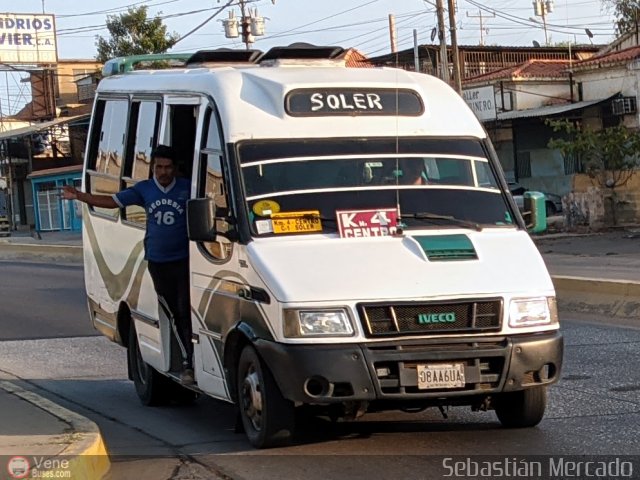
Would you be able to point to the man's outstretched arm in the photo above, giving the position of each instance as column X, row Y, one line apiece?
column 102, row 201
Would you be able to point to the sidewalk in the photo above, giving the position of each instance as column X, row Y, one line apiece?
column 35, row 430
column 43, row 238
column 53, row 246
column 595, row 273
column 613, row 255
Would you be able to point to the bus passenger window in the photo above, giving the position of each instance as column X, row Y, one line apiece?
column 106, row 151
column 143, row 131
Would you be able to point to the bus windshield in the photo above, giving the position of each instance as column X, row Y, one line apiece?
column 427, row 181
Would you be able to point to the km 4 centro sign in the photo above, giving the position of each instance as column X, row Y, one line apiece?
column 27, row 38
column 367, row 223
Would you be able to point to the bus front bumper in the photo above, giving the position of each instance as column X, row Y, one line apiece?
column 389, row 370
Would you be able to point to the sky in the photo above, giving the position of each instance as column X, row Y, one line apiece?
column 362, row 24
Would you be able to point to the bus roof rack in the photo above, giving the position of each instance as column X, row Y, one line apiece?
column 127, row 64
column 301, row 50
column 225, row 55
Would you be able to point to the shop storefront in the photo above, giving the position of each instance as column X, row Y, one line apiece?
column 52, row 212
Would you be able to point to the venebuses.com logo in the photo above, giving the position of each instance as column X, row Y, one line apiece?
column 18, row 467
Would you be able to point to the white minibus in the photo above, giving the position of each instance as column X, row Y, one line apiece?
column 353, row 243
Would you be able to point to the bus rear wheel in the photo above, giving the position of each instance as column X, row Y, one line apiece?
column 267, row 417
column 521, row 409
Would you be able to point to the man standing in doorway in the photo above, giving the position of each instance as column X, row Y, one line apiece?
column 164, row 198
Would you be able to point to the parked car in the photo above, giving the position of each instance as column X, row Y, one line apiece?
column 552, row 201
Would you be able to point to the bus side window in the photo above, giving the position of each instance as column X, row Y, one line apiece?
column 212, row 181
column 180, row 134
column 143, row 133
column 104, row 164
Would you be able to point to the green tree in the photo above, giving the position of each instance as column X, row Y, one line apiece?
column 133, row 33
column 627, row 13
column 609, row 156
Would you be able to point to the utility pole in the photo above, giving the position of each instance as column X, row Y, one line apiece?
column 480, row 16
column 454, row 47
column 541, row 8
column 246, row 34
column 444, row 61
column 250, row 24
column 393, row 39
column 416, row 55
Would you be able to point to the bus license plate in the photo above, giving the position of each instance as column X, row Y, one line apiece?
column 440, row 375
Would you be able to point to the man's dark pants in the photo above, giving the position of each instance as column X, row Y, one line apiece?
column 171, row 281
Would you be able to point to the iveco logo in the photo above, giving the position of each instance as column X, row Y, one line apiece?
column 425, row 318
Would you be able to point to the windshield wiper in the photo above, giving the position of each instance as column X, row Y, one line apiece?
column 447, row 218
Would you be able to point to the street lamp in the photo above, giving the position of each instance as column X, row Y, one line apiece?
column 541, row 8
column 589, row 34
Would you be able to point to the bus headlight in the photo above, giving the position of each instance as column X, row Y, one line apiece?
column 527, row 312
column 310, row 323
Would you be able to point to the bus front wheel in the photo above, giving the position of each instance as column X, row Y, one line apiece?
column 521, row 409
column 267, row 417
column 151, row 386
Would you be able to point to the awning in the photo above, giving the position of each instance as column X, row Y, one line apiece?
column 56, row 171
column 551, row 110
column 38, row 127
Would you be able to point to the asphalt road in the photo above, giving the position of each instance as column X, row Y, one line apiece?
column 595, row 409
column 42, row 300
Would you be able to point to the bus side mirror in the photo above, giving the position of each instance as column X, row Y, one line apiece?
column 201, row 220
column 206, row 222
column 534, row 206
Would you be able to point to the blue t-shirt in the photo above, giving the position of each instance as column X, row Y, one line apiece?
column 166, row 208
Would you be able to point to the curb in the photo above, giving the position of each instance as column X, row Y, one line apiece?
column 18, row 250
column 618, row 298
column 87, row 452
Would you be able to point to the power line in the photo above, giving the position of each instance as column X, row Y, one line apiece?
column 382, row 29
column 204, row 23
column 331, row 16
column 405, row 36
column 116, row 9
column 524, row 21
column 89, row 28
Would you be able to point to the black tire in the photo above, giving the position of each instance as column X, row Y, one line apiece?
column 152, row 387
column 521, row 409
column 267, row 417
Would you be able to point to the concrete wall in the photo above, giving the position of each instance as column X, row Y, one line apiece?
column 603, row 83
column 590, row 206
column 535, row 95
column 67, row 89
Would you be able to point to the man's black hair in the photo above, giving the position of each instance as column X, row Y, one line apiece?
column 163, row 151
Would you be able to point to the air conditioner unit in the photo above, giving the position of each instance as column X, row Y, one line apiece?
column 624, row 105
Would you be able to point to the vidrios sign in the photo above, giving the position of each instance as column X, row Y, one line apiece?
column 27, row 38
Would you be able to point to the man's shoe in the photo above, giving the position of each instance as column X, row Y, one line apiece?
column 186, row 377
